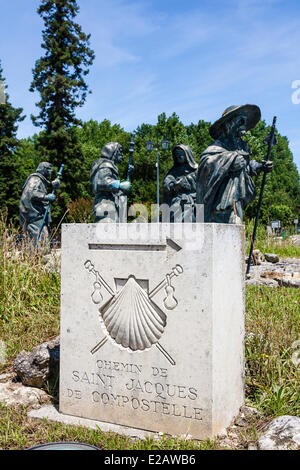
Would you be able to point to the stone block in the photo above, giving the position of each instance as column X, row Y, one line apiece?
column 152, row 325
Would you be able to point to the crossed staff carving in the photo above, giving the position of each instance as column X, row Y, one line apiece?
column 170, row 302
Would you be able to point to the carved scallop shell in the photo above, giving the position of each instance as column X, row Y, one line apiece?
column 132, row 319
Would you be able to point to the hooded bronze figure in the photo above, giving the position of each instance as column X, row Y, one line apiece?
column 34, row 201
column 106, row 184
column 224, row 177
column 179, row 185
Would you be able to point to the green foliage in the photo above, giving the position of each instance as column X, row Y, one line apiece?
column 198, row 136
column 286, row 248
column 282, row 187
column 59, row 77
column 261, row 232
column 281, row 212
column 92, row 137
column 144, row 177
column 282, row 248
column 80, row 211
column 282, row 184
column 9, row 181
column 282, row 192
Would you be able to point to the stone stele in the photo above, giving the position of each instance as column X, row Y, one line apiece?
column 152, row 325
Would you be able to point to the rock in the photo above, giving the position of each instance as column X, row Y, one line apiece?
column 285, row 273
column 250, row 337
column 6, row 377
column 2, row 352
column 262, row 282
column 231, row 437
column 241, row 421
column 14, row 393
column 252, row 282
column 247, row 415
column 258, row 257
column 295, row 240
column 269, row 282
column 186, row 437
column 282, row 433
column 228, row 443
column 222, row 435
column 289, row 281
column 252, row 446
column 250, row 412
column 272, row 258
column 292, row 261
column 52, row 261
column 39, row 366
column 272, row 275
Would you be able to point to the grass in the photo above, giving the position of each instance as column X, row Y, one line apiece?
column 284, row 248
column 29, row 315
column 30, row 296
column 272, row 323
column 19, row 432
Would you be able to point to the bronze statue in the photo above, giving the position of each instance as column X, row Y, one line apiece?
column 224, row 177
column 35, row 200
column 179, row 185
column 107, row 187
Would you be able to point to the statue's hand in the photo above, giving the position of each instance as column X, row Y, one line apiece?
column 125, row 185
column 181, row 183
column 56, row 184
column 244, row 153
column 130, row 169
column 240, row 162
column 50, row 197
column 267, row 166
column 184, row 198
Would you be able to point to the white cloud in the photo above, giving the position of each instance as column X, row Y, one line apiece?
column 193, row 58
column 184, row 32
column 115, row 33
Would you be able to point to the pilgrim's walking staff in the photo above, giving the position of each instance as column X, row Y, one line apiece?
column 270, row 140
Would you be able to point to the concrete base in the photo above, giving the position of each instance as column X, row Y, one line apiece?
column 152, row 326
column 51, row 413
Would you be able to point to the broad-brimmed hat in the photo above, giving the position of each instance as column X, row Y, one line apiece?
column 251, row 111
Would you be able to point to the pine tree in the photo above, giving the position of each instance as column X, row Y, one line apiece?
column 59, row 77
column 9, row 182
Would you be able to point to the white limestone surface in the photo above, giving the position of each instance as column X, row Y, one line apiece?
column 50, row 413
column 152, row 325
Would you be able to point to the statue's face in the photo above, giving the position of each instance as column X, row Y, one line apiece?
column 180, row 156
column 46, row 170
column 119, row 155
column 239, row 125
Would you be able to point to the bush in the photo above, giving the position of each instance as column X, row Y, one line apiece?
column 281, row 212
column 80, row 211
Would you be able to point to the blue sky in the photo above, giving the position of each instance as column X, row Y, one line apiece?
column 192, row 57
